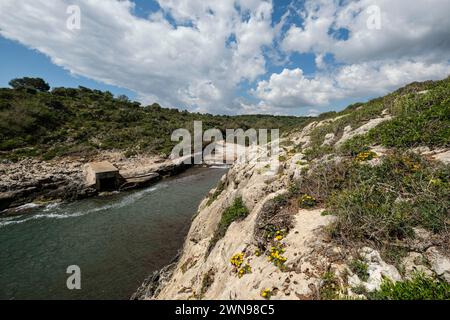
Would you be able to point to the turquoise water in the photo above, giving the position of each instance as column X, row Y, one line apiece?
column 117, row 241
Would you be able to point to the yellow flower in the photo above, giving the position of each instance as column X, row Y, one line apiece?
column 266, row 293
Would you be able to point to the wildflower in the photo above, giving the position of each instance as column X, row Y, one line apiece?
column 237, row 260
column 266, row 294
column 244, row 270
column 276, row 256
column 366, row 156
column 306, row 201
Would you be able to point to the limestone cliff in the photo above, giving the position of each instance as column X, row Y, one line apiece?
column 296, row 240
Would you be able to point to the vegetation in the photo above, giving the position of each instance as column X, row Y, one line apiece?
column 240, row 268
column 306, row 202
column 373, row 207
column 420, row 111
column 420, row 287
column 219, row 189
column 30, row 84
column 360, row 268
column 276, row 255
column 236, row 211
column 207, row 281
column 266, row 293
column 382, row 203
column 329, row 289
column 68, row 121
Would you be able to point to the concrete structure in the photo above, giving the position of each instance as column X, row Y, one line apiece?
column 103, row 176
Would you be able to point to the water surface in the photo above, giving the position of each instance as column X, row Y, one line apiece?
column 117, row 241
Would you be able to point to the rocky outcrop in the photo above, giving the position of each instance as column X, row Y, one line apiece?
column 311, row 261
column 32, row 180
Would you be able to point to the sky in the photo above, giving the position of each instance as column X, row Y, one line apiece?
column 287, row 57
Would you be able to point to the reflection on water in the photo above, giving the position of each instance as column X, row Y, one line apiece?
column 117, row 241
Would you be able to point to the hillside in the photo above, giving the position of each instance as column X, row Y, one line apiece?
column 358, row 209
column 66, row 121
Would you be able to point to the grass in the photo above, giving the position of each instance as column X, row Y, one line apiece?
column 420, row 287
column 329, row 289
column 237, row 211
column 360, row 268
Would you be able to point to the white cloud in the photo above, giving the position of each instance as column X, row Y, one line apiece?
column 189, row 65
column 200, row 63
column 407, row 31
column 292, row 89
column 412, row 45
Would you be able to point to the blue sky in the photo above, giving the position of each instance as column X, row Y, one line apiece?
column 229, row 57
column 19, row 61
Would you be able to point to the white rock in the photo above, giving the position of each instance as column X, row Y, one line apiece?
column 439, row 263
column 444, row 157
column 377, row 269
column 328, row 139
column 413, row 263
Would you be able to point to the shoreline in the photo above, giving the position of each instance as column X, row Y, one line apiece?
column 32, row 183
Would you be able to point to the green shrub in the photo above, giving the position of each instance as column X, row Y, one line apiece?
column 236, row 211
column 386, row 201
column 420, row 287
column 360, row 268
column 74, row 117
column 329, row 289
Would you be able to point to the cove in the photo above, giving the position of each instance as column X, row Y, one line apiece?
column 117, row 241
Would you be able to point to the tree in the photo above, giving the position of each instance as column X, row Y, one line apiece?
column 123, row 98
column 30, row 83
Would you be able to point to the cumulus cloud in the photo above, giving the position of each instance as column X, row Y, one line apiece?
column 406, row 31
column 411, row 43
column 196, row 54
column 292, row 89
column 190, row 63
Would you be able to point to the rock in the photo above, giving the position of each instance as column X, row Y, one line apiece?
column 440, row 264
column 28, row 180
column 443, row 157
column 377, row 269
column 414, row 263
column 6, row 198
column 328, row 139
column 349, row 133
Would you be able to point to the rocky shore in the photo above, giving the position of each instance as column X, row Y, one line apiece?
column 39, row 182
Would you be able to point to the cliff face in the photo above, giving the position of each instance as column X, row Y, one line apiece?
column 346, row 214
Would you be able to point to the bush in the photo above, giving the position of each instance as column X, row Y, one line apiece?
column 237, row 211
column 35, row 118
column 420, row 287
column 370, row 206
column 360, row 268
column 30, row 83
